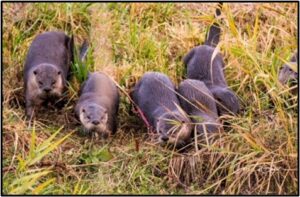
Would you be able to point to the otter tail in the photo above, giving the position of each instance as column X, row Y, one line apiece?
column 83, row 62
column 83, row 51
column 213, row 35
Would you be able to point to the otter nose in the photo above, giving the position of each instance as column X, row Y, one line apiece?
column 165, row 138
column 47, row 89
column 95, row 122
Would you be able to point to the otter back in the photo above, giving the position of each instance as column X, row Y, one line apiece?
column 201, row 65
column 54, row 48
column 156, row 97
column 196, row 97
column 199, row 103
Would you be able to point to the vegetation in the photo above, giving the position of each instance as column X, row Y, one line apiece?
column 257, row 153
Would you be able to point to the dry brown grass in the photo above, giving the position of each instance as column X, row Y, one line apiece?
column 257, row 153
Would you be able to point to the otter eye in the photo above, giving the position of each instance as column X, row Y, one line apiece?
column 83, row 110
column 53, row 82
column 35, row 72
column 88, row 117
column 40, row 82
column 58, row 72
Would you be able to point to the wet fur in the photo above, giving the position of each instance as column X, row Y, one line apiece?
column 48, row 61
column 155, row 96
column 99, row 98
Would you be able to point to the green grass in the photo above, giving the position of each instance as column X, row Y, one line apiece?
column 256, row 155
column 81, row 67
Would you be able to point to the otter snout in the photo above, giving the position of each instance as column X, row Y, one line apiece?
column 95, row 122
column 47, row 90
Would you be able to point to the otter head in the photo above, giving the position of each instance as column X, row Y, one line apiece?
column 174, row 129
column 94, row 118
column 49, row 80
column 227, row 101
column 288, row 76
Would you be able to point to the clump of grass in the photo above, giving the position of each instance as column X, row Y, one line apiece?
column 26, row 180
column 256, row 155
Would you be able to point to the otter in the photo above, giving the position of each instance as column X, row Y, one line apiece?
column 287, row 75
column 201, row 65
column 155, row 95
column 46, row 70
column 199, row 103
column 98, row 105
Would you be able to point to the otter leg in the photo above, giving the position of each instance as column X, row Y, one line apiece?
column 29, row 110
column 29, row 107
column 105, row 134
column 59, row 101
column 31, row 104
column 113, row 124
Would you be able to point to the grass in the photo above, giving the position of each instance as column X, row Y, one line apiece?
column 256, row 155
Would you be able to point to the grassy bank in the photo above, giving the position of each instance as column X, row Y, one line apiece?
column 256, row 155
